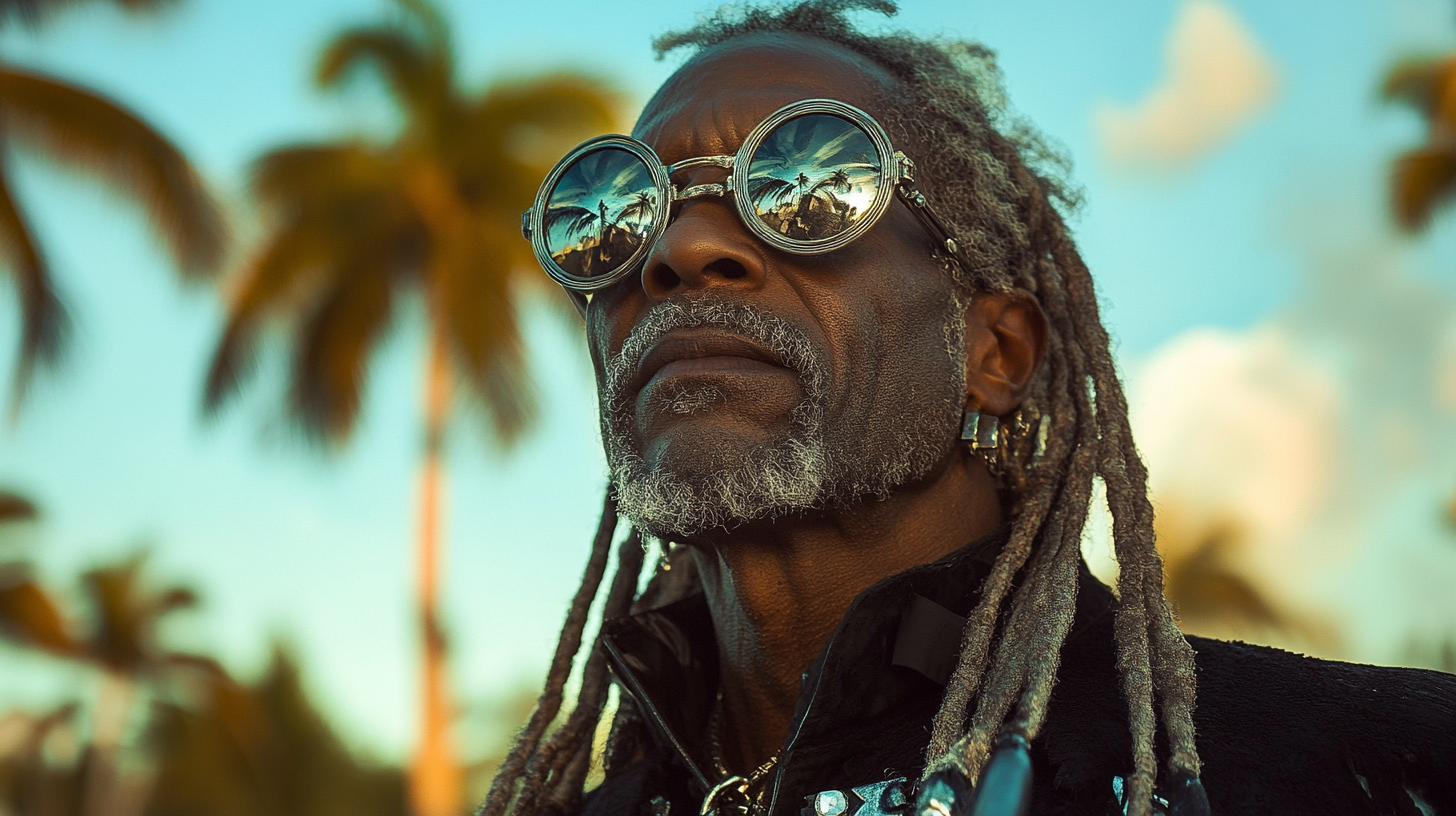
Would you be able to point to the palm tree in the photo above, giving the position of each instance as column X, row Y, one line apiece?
column 354, row 226
column 836, row 181
column 1423, row 179
column 577, row 219
column 803, row 181
column 264, row 748
column 639, row 208
column 771, row 188
column 79, row 128
column 119, row 640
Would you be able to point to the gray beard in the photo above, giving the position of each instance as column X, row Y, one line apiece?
column 809, row 468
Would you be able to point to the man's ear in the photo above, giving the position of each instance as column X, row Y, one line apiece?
column 1006, row 334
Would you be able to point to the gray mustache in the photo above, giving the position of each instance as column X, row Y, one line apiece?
column 780, row 337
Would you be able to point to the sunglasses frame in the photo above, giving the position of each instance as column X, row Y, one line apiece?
column 896, row 179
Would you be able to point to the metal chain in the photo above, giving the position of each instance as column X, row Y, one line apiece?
column 753, row 804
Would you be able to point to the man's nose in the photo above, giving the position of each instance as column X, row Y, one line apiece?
column 704, row 247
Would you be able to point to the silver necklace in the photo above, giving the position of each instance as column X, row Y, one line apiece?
column 748, row 790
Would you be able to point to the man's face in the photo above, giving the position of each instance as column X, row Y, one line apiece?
column 739, row 383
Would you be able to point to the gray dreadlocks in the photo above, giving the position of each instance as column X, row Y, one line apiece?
column 1000, row 188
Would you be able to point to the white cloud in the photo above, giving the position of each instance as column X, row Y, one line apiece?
column 1240, row 425
column 1324, row 436
column 1217, row 80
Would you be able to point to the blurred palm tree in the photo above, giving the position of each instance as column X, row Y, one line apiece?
column 32, row 781
column 119, row 640
column 261, row 750
column 83, row 130
column 354, row 226
column 1207, row 576
column 1423, row 179
column 1201, row 577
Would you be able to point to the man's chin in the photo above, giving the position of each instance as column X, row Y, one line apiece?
column 685, row 490
column 696, row 451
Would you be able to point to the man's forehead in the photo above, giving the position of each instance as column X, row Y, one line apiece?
column 711, row 103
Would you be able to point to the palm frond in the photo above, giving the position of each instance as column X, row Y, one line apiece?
column 1418, row 82
column 118, row 636
column 408, row 69
column 640, row 207
column 14, row 507
column 771, row 188
column 125, row 613
column 170, row 600
column 577, row 219
column 1421, row 181
column 305, row 177
column 837, row 180
column 77, row 127
column 515, row 132
column 285, row 270
column 334, row 343
column 481, row 325
column 44, row 325
column 30, row 617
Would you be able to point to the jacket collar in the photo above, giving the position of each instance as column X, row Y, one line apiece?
column 898, row 638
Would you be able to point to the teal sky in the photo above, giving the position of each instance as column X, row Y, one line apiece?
column 282, row 540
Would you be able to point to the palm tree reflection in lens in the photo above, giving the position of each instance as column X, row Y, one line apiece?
column 813, row 177
column 598, row 213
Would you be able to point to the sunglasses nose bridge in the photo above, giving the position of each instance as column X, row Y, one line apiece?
column 715, row 189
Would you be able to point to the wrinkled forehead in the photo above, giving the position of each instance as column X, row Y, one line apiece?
column 712, row 103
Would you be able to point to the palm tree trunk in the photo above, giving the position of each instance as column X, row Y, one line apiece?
column 113, row 705
column 436, row 784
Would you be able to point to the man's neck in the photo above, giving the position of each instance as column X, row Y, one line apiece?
column 776, row 591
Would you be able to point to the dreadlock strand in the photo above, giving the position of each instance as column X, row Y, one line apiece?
column 1140, row 605
column 558, row 771
column 1174, row 671
column 1173, row 661
column 1042, row 613
column 1133, row 545
column 503, row 787
column 1048, row 632
column 966, row 679
column 1061, row 603
column 1009, row 671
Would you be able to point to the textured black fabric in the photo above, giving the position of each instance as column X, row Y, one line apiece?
column 1278, row 733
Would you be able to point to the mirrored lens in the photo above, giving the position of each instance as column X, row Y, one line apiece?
column 813, row 177
column 600, row 212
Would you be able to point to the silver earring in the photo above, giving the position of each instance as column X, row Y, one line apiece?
column 981, row 430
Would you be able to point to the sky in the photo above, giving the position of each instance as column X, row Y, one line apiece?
column 1230, row 154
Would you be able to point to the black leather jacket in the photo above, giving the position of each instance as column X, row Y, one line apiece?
column 1278, row 733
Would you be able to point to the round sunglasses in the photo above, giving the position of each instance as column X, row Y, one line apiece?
column 811, row 178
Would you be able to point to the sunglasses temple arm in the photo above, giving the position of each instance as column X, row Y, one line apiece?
column 920, row 206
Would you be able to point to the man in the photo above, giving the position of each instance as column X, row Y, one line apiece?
column 850, row 361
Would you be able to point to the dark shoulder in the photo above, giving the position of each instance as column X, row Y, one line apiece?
column 1326, row 736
